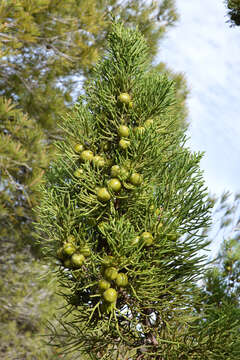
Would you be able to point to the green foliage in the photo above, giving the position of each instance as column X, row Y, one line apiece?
column 182, row 92
column 46, row 45
column 28, row 302
column 148, row 229
column 233, row 12
column 219, row 295
column 22, row 164
column 228, row 260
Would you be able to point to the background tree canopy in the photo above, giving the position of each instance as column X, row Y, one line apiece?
column 46, row 45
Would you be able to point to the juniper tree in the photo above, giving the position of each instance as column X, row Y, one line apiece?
column 123, row 205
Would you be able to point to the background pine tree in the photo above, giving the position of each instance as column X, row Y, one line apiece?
column 123, row 206
column 23, row 159
column 27, row 301
column 46, row 45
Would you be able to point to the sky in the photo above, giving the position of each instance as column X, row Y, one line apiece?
column 207, row 51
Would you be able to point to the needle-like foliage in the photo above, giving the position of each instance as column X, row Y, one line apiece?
column 122, row 209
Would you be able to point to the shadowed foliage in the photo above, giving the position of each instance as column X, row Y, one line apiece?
column 233, row 12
